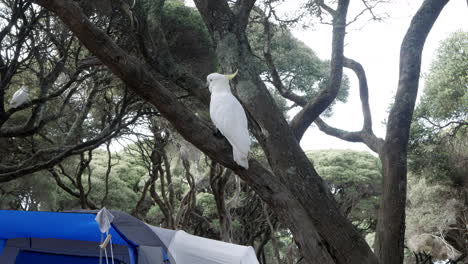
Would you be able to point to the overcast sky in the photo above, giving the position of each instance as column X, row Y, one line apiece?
column 376, row 46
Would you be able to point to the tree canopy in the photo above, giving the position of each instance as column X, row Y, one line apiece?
column 446, row 92
column 438, row 155
column 104, row 72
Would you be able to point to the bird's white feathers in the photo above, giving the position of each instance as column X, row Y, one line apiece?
column 229, row 117
column 19, row 97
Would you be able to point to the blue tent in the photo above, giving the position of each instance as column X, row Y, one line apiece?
column 73, row 238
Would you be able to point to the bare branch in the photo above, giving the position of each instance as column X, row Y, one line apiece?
column 439, row 126
column 341, row 134
column 108, row 171
column 61, row 184
column 129, row 69
column 370, row 8
column 139, row 203
column 313, row 109
column 327, row 8
column 47, row 158
column 363, row 92
column 277, row 82
column 298, row 208
column 80, row 194
column 273, row 237
column 365, row 137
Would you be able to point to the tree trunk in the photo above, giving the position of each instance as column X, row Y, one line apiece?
column 390, row 230
column 390, row 233
column 218, row 182
column 292, row 188
column 295, row 191
column 274, row 240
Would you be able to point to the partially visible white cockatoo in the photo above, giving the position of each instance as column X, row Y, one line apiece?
column 19, row 97
column 229, row 117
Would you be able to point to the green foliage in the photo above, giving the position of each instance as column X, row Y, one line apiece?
column 207, row 202
column 33, row 192
column 438, row 144
column 123, row 183
column 446, row 91
column 431, row 207
column 432, row 219
column 188, row 39
column 355, row 179
column 301, row 70
column 438, row 156
column 122, row 192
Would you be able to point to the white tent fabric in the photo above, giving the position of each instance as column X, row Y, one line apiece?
column 186, row 248
column 189, row 249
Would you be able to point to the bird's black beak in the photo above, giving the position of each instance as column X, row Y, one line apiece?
column 207, row 84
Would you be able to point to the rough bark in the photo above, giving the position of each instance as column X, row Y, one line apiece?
column 310, row 112
column 292, row 189
column 391, row 221
column 218, row 182
column 302, row 192
column 393, row 150
column 274, row 240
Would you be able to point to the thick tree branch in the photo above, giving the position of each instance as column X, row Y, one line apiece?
column 363, row 92
column 410, row 67
column 283, row 153
column 217, row 13
column 188, row 202
column 341, row 134
column 78, row 194
column 139, row 203
column 129, row 69
column 313, row 109
column 307, row 212
column 274, row 239
column 152, row 40
column 73, row 134
column 326, row 7
column 391, row 220
column 62, row 185
column 83, row 164
column 365, row 137
column 242, row 10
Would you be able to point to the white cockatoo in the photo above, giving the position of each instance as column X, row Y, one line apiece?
column 19, row 97
column 229, row 117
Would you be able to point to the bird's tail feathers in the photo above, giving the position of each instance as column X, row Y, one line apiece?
column 240, row 158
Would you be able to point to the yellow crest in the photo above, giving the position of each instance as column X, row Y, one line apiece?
column 231, row 76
